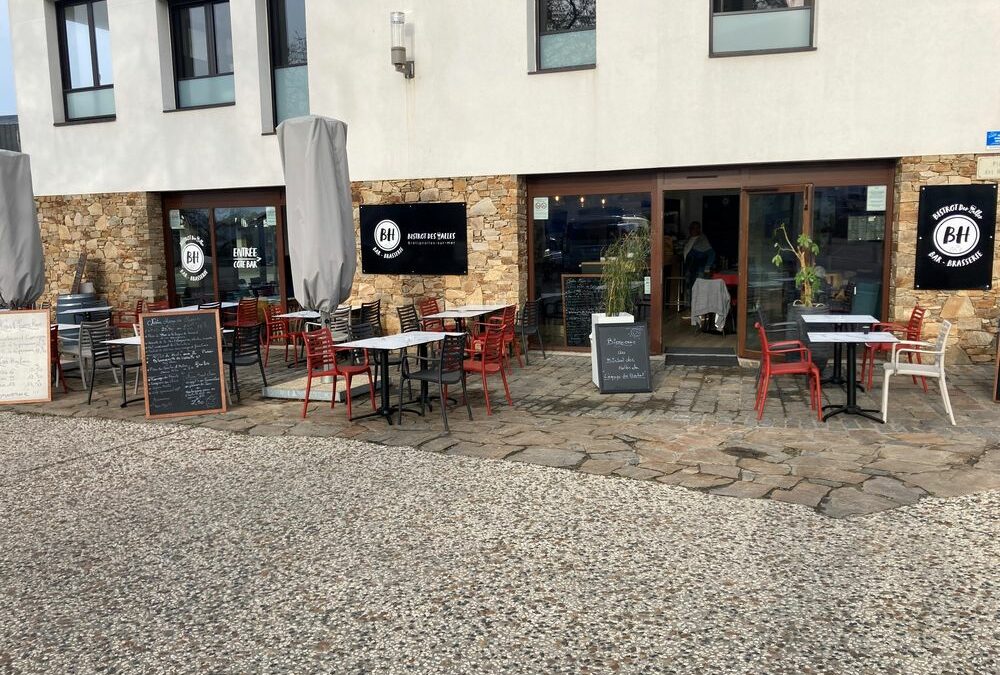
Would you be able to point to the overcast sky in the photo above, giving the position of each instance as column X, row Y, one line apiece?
column 7, row 106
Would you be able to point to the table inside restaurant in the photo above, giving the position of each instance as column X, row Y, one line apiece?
column 838, row 321
column 386, row 344
column 852, row 340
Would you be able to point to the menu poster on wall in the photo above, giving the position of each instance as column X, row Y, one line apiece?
column 540, row 208
column 24, row 357
column 955, row 229
column 427, row 239
column 876, row 197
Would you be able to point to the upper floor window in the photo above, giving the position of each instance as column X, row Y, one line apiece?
column 567, row 35
column 85, row 57
column 290, row 76
column 203, row 53
column 756, row 26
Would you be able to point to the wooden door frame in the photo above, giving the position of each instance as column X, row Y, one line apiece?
column 629, row 182
column 806, row 189
column 214, row 199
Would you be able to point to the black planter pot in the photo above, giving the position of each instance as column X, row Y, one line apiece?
column 821, row 353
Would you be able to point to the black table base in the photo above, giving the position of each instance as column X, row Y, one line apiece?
column 852, row 407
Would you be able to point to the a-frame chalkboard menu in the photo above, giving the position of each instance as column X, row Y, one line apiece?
column 182, row 363
column 623, row 358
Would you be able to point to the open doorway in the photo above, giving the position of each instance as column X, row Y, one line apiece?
column 701, row 242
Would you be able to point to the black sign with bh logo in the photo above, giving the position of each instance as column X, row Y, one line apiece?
column 955, row 229
column 414, row 239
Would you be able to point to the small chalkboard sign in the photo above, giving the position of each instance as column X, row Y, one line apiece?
column 583, row 295
column 182, row 363
column 25, row 363
column 623, row 358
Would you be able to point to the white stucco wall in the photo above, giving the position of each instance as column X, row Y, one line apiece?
column 889, row 78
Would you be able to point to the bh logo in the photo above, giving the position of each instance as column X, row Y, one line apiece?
column 387, row 236
column 956, row 236
column 192, row 258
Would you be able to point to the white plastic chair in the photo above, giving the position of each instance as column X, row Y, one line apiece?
column 896, row 367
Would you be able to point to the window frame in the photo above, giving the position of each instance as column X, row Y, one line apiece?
column 176, row 8
column 272, row 48
column 751, row 52
column 67, row 84
column 539, row 32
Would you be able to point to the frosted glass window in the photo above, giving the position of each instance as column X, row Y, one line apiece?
column 780, row 28
column 567, row 35
column 289, row 56
column 90, row 103
column 203, row 52
column 85, row 52
column 206, row 91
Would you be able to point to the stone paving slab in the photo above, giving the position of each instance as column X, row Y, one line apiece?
column 560, row 420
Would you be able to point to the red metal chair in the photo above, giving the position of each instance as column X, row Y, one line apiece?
column 277, row 331
column 125, row 320
column 246, row 314
column 911, row 330
column 426, row 307
column 157, row 305
column 771, row 369
column 486, row 358
column 54, row 358
column 321, row 361
column 506, row 323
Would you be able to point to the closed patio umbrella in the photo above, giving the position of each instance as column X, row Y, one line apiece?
column 22, row 262
column 321, row 243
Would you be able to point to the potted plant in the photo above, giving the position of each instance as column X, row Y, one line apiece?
column 626, row 262
column 807, row 280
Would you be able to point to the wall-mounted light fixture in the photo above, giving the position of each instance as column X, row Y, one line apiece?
column 397, row 22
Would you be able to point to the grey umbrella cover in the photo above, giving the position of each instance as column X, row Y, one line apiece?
column 321, row 242
column 22, row 261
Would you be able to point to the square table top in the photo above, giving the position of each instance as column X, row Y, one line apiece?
column 67, row 326
column 87, row 310
column 132, row 340
column 301, row 314
column 839, row 318
column 852, row 337
column 225, row 305
column 398, row 341
column 480, row 308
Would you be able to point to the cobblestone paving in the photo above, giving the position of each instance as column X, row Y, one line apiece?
column 171, row 549
column 696, row 429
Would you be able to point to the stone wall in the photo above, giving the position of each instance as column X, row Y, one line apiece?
column 122, row 234
column 973, row 313
column 498, row 240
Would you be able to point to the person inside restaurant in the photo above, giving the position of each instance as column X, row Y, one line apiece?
column 699, row 256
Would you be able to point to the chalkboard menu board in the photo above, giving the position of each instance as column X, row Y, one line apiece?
column 623, row 358
column 24, row 357
column 583, row 295
column 182, row 363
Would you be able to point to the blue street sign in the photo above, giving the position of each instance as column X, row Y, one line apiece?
column 993, row 139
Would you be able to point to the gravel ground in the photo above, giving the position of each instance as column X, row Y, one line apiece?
column 149, row 548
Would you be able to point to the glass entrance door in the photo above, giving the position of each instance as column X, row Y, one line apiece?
column 766, row 286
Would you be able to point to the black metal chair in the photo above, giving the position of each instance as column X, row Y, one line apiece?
column 371, row 313
column 526, row 325
column 102, row 356
column 409, row 320
column 243, row 350
column 340, row 323
column 445, row 370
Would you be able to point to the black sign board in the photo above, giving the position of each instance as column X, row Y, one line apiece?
column 623, row 358
column 414, row 239
column 583, row 295
column 182, row 363
column 955, row 229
